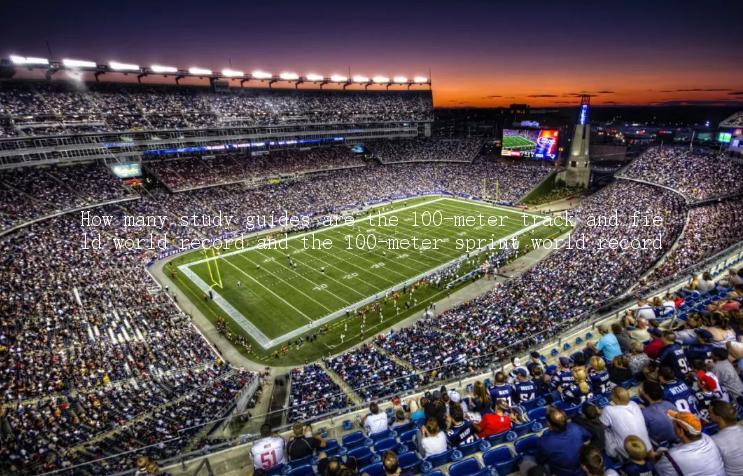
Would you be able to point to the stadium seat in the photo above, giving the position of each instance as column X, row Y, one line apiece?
column 276, row 470
column 332, row 448
column 363, row 456
column 474, row 447
column 300, row 462
column 501, row 459
column 522, row 429
column 440, row 460
column 538, row 414
column 384, row 445
column 495, row 440
column 710, row 429
column 383, row 435
column 347, row 425
column 466, row 467
column 535, row 403
column 408, row 438
column 304, row 470
column 354, row 440
column 573, row 410
column 409, row 461
column 375, row 469
column 403, row 428
column 526, row 445
column 554, row 352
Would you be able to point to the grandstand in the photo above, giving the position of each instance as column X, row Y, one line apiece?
column 117, row 357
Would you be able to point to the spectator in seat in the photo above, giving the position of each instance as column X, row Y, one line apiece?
column 589, row 418
column 701, row 349
column 673, row 356
column 644, row 311
column 725, row 372
column 640, row 332
column 494, row 423
column 303, row 443
column 729, row 439
column 623, row 338
column 480, row 401
column 592, row 462
column 376, row 421
column 401, row 418
column 460, row 432
column 501, row 390
column 433, row 440
column 638, row 359
column 541, row 380
column 268, row 452
column 608, row 344
column 639, row 463
column 558, row 448
column 619, row 371
column 564, row 375
column 621, row 419
column 391, row 464
column 655, row 413
column 535, row 360
column 695, row 455
column 656, row 344
column 598, row 375
column 703, row 283
column 524, row 389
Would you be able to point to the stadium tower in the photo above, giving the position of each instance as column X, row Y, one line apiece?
column 578, row 173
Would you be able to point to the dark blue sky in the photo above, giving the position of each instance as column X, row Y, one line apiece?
column 480, row 52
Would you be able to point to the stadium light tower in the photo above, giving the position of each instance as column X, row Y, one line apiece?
column 578, row 171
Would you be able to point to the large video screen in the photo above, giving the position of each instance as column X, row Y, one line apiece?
column 126, row 171
column 538, row 144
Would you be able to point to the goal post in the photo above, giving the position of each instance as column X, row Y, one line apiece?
column 212, row 265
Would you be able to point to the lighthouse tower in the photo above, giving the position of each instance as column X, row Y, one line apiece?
column 578, row 171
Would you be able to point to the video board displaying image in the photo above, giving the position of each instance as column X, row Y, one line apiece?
column 539, row 144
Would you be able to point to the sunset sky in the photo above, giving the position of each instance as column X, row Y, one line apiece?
column 480, row 53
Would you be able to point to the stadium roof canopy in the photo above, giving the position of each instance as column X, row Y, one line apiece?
column 736, row 120
column 16, row 62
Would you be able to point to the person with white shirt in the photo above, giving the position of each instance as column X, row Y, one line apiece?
column 376, row 421
column 695, row 455
column 729, row 439
column 644, row 311
column 433, row 440
column 269, row 451
column 621, row 419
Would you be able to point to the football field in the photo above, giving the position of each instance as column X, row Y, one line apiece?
column 517, row 143
column 275, row 292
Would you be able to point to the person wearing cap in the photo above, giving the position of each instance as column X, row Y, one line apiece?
column 558, row 448
column 303, row 443
column 695, row 455
column 701, row 349
column 375, row 421
column 655, row 413
column 621, row 419
column 608, row 344
column 455, row 398
column 706, row 390
column 524, row 389
column 656, row 344
column 516, row 363
column 673, row 356
column 729, row 439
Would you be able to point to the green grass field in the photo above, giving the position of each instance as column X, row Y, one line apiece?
column 517, row 142
column 273, row 296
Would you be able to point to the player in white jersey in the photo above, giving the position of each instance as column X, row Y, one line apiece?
column 269, row 451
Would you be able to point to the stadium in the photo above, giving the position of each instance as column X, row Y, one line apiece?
column 226, row 272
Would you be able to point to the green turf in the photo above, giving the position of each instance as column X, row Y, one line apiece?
column 278, row 298
column 517, row 142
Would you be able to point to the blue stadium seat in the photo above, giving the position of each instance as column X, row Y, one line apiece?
column 535, row 403
column 566, row 346
column 474, row 447
column 409, row 461
column 522, row 428
column 440, row 459
column 375, row 469
column 554, row 352
column 710, row 429
column 408, row 438
column 332, row 448
column 354, row 440
column 629, row 383
column 526, row 445
column 403, row 428
column 573, row 410
column 300, row 462
column 495, row 440
column 276, row 470
column 347, row 425
column 384, row 445
column 467, row 467
column 383, row 435
column 363, row 456
column 501, row 459
column 304, row 470
column 538, row 414
column 435, row 473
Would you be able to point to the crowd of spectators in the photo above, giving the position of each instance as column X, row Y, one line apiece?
column 43, row 108
column 710, row 229
column 32, row 192
column 313, row 393
column 697, row 174
column 426, row 150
